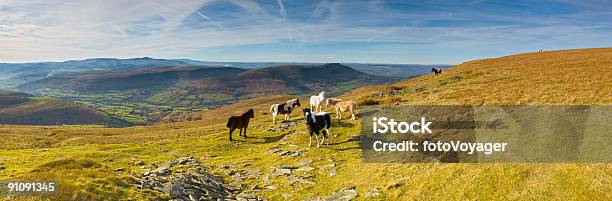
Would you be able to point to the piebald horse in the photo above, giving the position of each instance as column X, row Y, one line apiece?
column 284, row 108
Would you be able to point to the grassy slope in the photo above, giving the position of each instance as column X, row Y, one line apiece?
column 579, row 76
column 84, row 158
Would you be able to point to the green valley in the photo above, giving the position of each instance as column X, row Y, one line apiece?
column 145, row 96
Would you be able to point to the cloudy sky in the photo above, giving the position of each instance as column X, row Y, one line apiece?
column 394, row 31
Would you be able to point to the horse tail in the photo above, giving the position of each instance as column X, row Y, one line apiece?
column 328, row 120
column 272, row 108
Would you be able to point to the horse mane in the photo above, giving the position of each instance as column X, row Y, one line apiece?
column 309, row 116
column 249, row 112
column 293, row 102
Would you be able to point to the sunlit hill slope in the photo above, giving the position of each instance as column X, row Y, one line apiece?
column 25, row 109
column 580, row 76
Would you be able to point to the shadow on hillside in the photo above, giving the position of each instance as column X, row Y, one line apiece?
column 266, row 140
column 344, row 124
column 274, row 138
column 331, row 146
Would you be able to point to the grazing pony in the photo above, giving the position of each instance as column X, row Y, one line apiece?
column 436, row 71
column 346, row 106
column 284, row 108
column 240, row 122
column 331, row 102
column 316, row 101
column 317, row 123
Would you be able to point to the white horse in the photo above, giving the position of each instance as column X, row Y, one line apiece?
column 316, row 101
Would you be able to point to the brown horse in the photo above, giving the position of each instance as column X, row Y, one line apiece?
column 240, row 122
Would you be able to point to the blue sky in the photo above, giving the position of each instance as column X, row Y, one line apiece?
column 377, row 31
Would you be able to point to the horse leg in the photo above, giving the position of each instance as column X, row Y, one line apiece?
column 273, row 117
column 286, row 117
column 240, row 133
column 328, row 136
column 317, row 137
column 337, row 113
column 230, row 133
column 245, row 128
column 323, row 135
column 310, row 140
column 352, row 115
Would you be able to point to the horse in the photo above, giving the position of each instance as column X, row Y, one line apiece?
column 316, row 124
column 436, row 71
column 331, row 102
column 284, row 108
column 240, row 122
column 345, row 106
column 316, row 101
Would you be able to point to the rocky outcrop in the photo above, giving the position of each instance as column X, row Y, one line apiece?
column 186, row 179
column 345, row 194
column 287, row 153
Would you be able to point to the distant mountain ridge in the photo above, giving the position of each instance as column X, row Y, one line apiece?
column 142, row 90
column 15, row 74
column 91, row 64
column 291, row 79
column 144, row 95
column 95, row 81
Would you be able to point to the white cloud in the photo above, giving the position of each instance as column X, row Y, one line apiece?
column 73, row 29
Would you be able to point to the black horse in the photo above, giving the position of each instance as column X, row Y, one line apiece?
column 436, row 71
column 240, row 122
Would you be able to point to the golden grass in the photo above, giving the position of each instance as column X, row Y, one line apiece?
column 579, row 76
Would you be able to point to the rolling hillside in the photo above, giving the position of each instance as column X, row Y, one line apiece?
column 100, row 81
column 24, row 109
column 580, row 76
column 334, row 78
column 15, row 74
column 146, row 95
column 298, row 80
column 114, row 159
